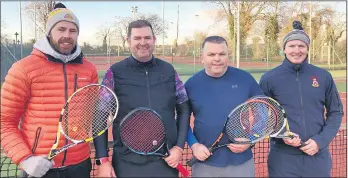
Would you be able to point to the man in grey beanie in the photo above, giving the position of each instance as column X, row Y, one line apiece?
column 34, row 92
column 304, row 91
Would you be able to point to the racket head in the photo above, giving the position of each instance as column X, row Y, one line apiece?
column 143, row 131
column 87, row 114
column 282, row 122
column 251, row 121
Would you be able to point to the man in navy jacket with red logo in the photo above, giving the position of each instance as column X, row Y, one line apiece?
column 305, row 91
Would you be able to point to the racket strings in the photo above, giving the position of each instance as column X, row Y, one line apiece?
column 143, row 131
column 88, row 112
column 279, row 112
column 253, row 121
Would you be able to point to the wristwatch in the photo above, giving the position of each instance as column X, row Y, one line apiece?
column 101, row 161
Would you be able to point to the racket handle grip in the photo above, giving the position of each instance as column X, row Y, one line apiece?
column 192, row 161
column 182, row 170
column 302, row 143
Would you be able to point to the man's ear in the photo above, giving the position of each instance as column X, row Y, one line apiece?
column 128, row 41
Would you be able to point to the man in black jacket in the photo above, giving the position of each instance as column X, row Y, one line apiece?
column 304, row 91
column 141, row 80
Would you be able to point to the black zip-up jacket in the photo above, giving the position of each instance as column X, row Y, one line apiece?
column 304, row 91
column 151, row 84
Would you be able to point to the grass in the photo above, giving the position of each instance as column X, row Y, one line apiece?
column 339, row 73
column 341, row 86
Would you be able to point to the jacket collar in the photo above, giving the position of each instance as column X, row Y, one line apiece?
column 134, row 62
column 77, row 60
column 295, row 67
column 45, row 47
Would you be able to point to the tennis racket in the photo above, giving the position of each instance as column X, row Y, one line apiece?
column 282, row 129
column 87, row 114
column 143, row 132
column 250, row 122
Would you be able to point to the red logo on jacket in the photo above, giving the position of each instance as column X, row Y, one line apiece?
column 315, row 82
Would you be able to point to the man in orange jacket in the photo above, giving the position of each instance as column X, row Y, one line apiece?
column 33, row 94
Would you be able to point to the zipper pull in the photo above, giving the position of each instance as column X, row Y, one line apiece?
column 146, row 73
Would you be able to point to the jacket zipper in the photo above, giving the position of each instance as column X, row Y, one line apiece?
column 75, row 82
column 148, row 86
column 303, row 116
column 66, row 99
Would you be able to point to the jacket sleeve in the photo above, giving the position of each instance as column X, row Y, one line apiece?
column 183, row 111
column 101, row 142
column 95, row 77
column 191, row 139
column 15, row 93
column 183, row 122
column 334, row 114
column 265, row 87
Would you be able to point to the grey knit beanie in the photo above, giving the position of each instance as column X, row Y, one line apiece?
column 60, row 13
column 296, row 34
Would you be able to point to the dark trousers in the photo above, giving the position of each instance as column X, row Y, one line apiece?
column 157, row 168
column 282, row 164
column 82, row 169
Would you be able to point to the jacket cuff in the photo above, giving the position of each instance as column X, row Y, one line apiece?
column 319, row 141
column 24, row 158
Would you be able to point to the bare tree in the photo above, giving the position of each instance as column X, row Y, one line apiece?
column 322, row 16
column 3, row 27
column 250, row 11
column 335, row 26
column 272, row 29
column 123, row 22
column 156, row 22
column 121, row 29
column 43, row 8
column 105, row 32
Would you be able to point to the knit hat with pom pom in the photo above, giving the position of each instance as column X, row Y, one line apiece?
column 60, row 13
column 296, row 34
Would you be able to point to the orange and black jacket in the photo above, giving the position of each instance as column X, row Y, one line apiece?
column 32, row 96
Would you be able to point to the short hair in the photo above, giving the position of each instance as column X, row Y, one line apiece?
column 138, row 24
column 214, row 39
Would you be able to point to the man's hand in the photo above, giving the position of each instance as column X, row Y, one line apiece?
column 295, row 142
column 106, row 170
column 311, row 147
column 36, row 166
column 238, row 148
column 174, row 157
column 200, row 151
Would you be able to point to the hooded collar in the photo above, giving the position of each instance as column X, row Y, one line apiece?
column 295, row 67
column 45, row 47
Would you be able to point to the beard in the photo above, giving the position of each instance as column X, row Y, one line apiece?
column 55, row 45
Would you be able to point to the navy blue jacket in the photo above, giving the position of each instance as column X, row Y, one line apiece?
column 305, row 91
